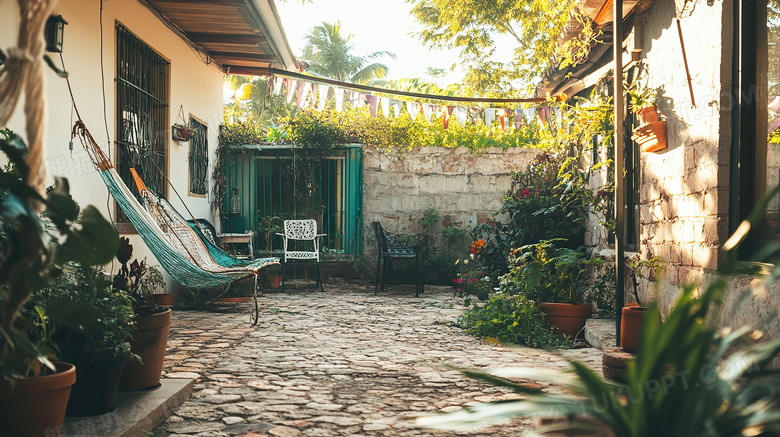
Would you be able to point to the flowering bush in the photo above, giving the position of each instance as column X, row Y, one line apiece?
column 546, row 272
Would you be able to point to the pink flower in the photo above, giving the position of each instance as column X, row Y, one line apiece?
column 526, row 192
column 473, row 280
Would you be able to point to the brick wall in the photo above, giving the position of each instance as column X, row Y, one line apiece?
column 684, row 189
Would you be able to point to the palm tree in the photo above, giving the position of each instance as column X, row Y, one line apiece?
column 329, row 54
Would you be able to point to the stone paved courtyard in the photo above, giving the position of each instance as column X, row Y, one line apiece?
column 336, row 363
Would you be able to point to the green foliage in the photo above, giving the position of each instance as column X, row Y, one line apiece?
column 545, row 272
column 86, row 311
column 602, row 290
column 687, row 378
column 469, row 26
column 472, row 280
column 30, row 253
column 549, row 200
column 510, row 319
column 429, row 218
column 254, row 105
column 399, row 133
column 453, row 234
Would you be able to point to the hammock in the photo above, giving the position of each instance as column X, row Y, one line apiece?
column 190, row 260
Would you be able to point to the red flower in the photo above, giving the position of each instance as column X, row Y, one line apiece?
column 526, row 192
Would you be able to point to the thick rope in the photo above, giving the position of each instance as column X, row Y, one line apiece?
column 23, row 71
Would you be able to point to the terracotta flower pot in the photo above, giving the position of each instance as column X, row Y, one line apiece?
column 36, row 406
column 97, row 381
column 276, row 281
column 149, row 340
column 630, row 326
column 565, row 318
column 165, row 299
column 651, row 137
column 648, row 114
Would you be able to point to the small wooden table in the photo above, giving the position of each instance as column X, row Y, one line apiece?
column 231, row 240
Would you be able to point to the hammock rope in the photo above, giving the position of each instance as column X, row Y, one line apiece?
column 183, row 252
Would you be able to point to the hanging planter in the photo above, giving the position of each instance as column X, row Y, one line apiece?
column 182, row 133
column 651, row 136
column 648, row 114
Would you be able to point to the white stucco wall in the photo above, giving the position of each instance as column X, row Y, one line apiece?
column 194, row 86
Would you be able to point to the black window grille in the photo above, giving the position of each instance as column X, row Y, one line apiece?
column 142, row 81
column 199, row 158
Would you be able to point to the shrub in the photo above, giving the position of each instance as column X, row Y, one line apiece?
column 545, row 272
column 510, row 319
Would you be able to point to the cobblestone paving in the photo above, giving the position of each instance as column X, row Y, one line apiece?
column 337, row 363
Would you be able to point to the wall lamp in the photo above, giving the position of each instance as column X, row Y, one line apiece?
column 55, row 29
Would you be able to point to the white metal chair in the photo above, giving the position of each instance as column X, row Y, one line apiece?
column 301, row 242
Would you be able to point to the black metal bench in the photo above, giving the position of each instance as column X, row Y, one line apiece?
column 396, row 247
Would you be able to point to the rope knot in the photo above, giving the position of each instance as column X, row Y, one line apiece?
column 19, row 56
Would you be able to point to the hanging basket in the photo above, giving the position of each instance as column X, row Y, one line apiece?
column 651, row 137
column 182, row 133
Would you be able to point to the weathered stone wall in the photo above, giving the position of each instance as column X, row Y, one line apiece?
column 464, row 188
column 684, row 188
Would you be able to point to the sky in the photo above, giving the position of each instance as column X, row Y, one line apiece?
column 377, row 25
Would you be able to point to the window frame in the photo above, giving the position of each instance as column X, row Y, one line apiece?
column 159, row 129
column 205, row 163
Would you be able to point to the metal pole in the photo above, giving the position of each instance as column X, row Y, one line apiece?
column 617, row 48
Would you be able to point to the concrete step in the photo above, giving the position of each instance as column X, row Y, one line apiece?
column 136, row 413
column 600, row 333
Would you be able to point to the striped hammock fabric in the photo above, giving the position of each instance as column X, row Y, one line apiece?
column 191, row 261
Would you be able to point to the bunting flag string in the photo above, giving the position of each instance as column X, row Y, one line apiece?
column 314, row 94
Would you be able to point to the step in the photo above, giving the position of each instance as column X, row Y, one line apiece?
column 600, row 333
column 136, row 413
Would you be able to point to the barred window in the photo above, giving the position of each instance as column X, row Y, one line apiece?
column 199, row 158
column 142, row 81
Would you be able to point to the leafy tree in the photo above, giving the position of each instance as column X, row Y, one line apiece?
column 329, row 54
column 471, row 27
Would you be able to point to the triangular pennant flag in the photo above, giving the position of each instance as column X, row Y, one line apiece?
column 290, row 85
column 385, row 103
column 530, row 115
column 501, row 117
column 413, row 109
column 428, row 110
column 461, row 115
column 278, row 86
column 303, row 92
column 558, row 117
column 396, row 105
column 372, row 102
column 314, row 88
column 490, row 115
column 338, row 95
column 518, row 118
column 323, row 91
column 447, row 111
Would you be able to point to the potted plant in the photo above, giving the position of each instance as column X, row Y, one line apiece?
column 557, row 279
column 275, row 275
column 651, row 132
column 182, row 132
column 149, row 337
column 268, row 226
column 152, row 285
column 687, row 379
column 34, row 390
column 633, row 314
column 95, row 341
